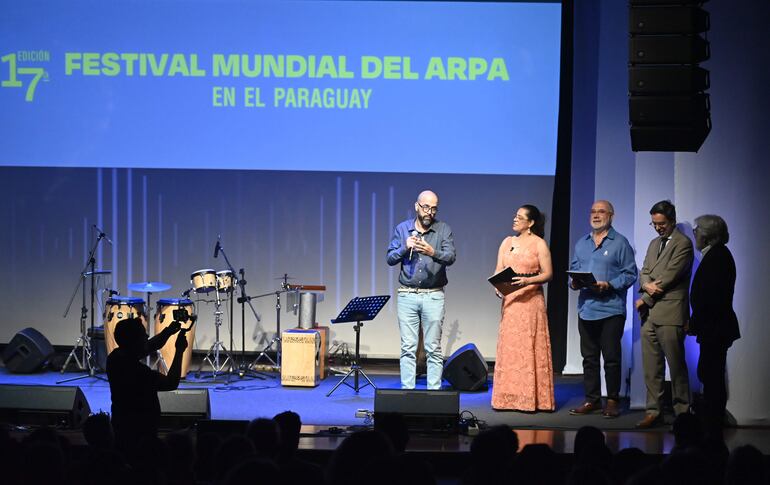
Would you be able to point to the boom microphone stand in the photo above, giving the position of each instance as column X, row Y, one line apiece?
column 85, row 361
column 241, row 281
column 277, row 339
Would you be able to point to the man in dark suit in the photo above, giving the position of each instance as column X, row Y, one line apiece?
column 713, row 319
column 664, row 311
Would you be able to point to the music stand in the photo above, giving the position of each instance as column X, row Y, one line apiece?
column 359, row 310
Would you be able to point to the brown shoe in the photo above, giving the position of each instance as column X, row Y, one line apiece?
column 650, row 421
column 585, row 408
column 612, row 409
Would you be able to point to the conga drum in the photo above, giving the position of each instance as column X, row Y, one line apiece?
column 119, row 308
column 163, row 317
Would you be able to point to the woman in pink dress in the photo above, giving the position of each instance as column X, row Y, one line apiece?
column 523, row 370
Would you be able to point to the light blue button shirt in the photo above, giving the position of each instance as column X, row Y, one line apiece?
column 611, row 261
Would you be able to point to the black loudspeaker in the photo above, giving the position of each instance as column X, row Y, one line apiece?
column 668, row 110
column 98, row 346
column 224, row 428
column 423, row 411
column 27, row 351
column 668, row 107
column 184, row 407
column 667, row 20
column 43, row 405
column 670, row 138
column 466, row 369
column 673, row 79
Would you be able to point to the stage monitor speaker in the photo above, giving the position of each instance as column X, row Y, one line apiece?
column 224, row 428
column 423, row 411
column 43, row 405
column 466, row 369
column 183, row 407
column 27, row 351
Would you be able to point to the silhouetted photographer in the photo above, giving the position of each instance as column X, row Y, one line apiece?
column 134, row 386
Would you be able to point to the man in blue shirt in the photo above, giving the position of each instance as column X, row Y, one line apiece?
column 602, row 306
column 424, row 247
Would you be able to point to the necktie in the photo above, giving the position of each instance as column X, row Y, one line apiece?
column 663, row 242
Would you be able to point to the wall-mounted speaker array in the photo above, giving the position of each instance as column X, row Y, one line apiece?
column 669, row 109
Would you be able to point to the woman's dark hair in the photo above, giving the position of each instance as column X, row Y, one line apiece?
column 534, row 214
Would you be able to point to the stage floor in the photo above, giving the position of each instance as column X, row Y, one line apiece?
column 249, row 398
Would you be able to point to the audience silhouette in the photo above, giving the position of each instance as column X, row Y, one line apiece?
column 266, row 452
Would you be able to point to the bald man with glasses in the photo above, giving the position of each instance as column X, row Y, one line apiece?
column 424, row 247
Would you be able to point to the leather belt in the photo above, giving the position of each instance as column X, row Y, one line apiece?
column 407, row 289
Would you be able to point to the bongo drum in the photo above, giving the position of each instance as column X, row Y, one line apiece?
column 225, row 281
column 204, row 280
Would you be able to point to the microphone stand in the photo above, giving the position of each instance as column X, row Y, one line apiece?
column 83, row 343
column 243, row 370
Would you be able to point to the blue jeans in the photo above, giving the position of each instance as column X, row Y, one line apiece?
column 414, row 308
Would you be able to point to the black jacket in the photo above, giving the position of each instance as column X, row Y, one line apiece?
column 713, row 320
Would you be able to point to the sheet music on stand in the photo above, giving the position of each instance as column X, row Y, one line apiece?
column 359, row 309
column 362, row 309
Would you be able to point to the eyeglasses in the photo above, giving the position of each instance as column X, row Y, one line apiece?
column 659, row 224
column 428, row 209
column 519, row 218
column 600, row 211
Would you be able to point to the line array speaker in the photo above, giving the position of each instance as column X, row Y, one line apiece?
column 669, row 109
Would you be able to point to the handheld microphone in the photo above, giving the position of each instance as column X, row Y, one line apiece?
column 414, row 233
column 102, row 234
column 186, row 293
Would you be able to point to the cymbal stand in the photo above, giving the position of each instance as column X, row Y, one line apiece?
column 85, row 361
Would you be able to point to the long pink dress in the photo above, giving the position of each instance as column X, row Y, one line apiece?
column 523, row 370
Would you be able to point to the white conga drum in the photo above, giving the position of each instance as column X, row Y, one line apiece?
column 119, row 308
column 163, row 317
column 225, row 281
column 204, row 280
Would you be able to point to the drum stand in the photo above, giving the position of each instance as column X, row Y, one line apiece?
column 213, row 355
column 85, row 361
